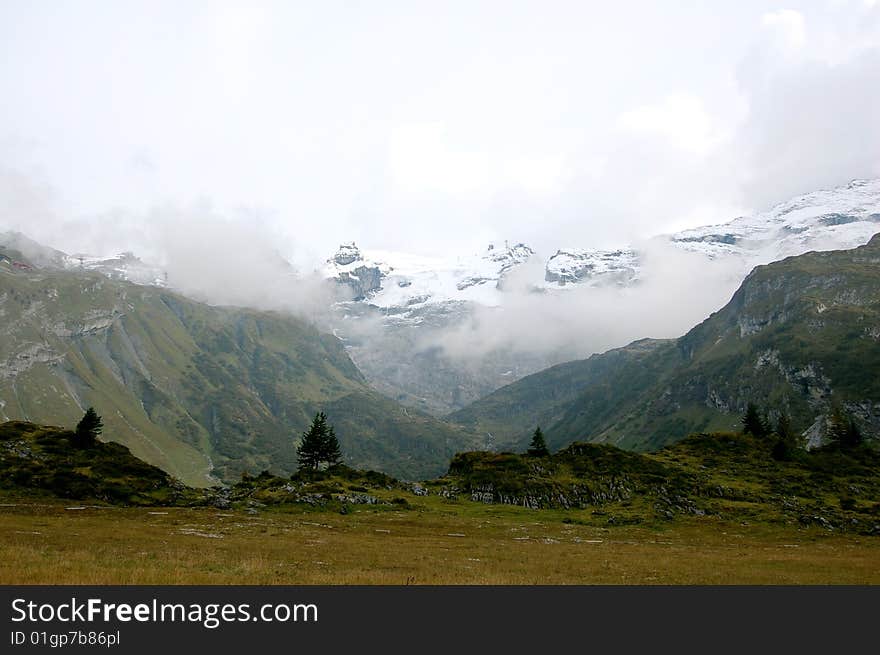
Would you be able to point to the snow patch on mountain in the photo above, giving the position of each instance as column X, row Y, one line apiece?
column 830, row 219
column 124, row 266
column 574, row 265
column 389, row 279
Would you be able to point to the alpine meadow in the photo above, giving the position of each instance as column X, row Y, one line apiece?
column 483, row 293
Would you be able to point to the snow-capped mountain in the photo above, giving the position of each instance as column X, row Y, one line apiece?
column 392, row 279
column 831, row 219
column 124, row 266
column 575, row 265
column 397, row 308
column 839, row 218
column 403, row 304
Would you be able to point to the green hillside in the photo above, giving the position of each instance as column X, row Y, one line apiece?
column 712, row 508
column 203, row 392
column 723, row 475
column 38, row 460
column 509, row 415
column 799, row 335
column 728, row 476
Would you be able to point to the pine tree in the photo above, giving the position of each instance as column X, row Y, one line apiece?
column 753, row 423
column 330, row 451
column 842, row 431
column 310, row 448
column 88, row 429
column 538, row 447
column 787, row 440
column 853, row 437
column 319, row 445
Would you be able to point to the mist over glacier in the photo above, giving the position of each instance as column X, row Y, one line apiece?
column 668, row 299
column 239, row 156
column 494, row 313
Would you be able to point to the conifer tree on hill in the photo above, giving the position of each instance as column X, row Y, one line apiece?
column 842, row 431
column 309, row 450
column 319, row 445
column 538, row 446
column 88, row 429
column 331, row 452
column 788, row 441
column 753, row 422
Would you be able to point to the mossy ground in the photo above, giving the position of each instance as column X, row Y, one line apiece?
column 434, row 541
column 39, row 461
column 730, row 476
column 714, row 509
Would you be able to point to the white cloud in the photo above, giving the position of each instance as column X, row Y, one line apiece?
column 401, row 128
column 237, row 32
column 430, row 131
column 789, row 25
column 585, row 320
column 679, row 118
column 423, row 158
column 539, row 175
column 812, row 116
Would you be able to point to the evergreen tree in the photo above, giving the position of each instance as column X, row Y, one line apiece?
column 310, row 448
column 787, row 440
column 538, row 447
column 753, row 422
column 853, row 437
column 842, row 431
column 330, row 452
column 88, row 429
column 319, row 445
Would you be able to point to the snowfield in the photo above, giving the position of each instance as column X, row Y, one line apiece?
column 411, row 280
column 831, row 219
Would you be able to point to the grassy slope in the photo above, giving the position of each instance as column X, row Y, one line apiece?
column 511, row 413
column 797, row 334
column 39, row 461
column 189, row 387
column 433, row 542
column 727, row 475
column 710, row 509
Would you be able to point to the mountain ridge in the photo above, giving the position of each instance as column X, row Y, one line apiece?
column 398, row 313
column 799, row 336
column 196, row 389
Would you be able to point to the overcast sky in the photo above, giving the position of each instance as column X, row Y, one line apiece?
column 426, row 126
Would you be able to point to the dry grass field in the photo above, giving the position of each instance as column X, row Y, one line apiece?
column 435, row 542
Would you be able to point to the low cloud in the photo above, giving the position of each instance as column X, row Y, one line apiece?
column 580, row 321
column 224, row 261
column 569, row 142
column 213, row 258
column 811, row 124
